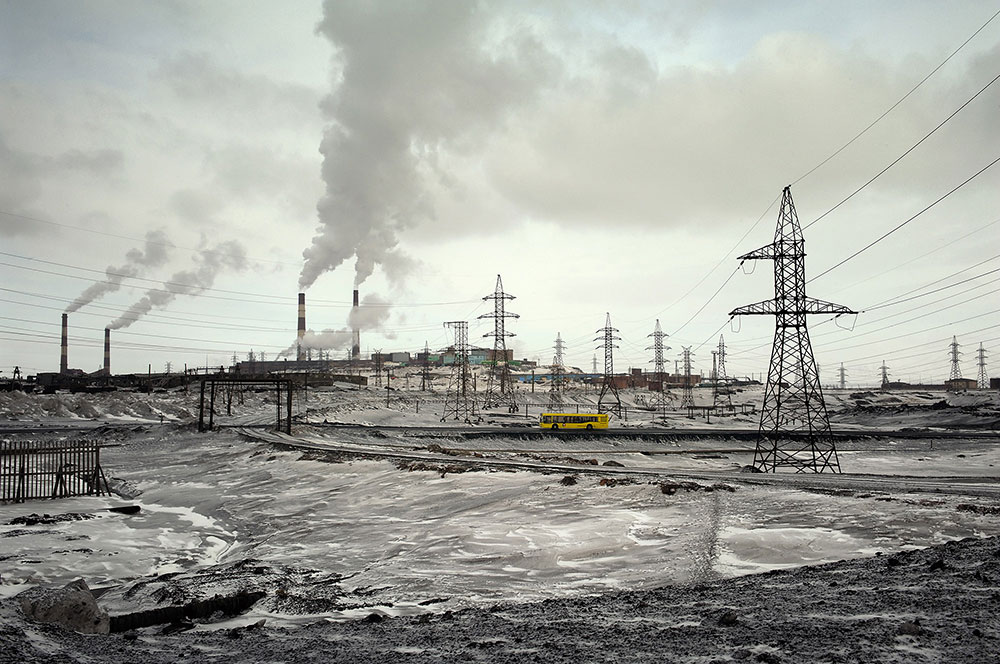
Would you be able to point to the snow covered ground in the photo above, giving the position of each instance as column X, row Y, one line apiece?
column 338, row 536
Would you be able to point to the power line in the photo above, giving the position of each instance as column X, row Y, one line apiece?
column 890, row 232
column 900, row 157
column 893, row 107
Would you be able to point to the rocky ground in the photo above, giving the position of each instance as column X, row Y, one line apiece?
column 940, row 604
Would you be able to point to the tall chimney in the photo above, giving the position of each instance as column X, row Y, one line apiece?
column 107, row 352
column 356, row 345
column 64, row 346
column 302, row 325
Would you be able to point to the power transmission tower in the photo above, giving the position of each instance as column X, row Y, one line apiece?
column 556, row 371
column 608, row 339
column 499, row 387
column 687, row 394
column 983, row 382
column 885, row 376
column 658, row 365
column 458, row 402
column 794, row 427
column 425, row 370
column 843, row 376
column 956, row 370
column 721, row 395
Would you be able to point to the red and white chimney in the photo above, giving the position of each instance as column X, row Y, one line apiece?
column 302, row 325
column 107, row 351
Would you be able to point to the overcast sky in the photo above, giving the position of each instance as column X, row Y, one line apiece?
column 600, row 156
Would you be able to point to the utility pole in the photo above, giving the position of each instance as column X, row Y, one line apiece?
column 499, row 387
column 458, row 402
column 608, row 339
column 956, row 370
column 794, row 429
column 885, row 376
column 983, row 382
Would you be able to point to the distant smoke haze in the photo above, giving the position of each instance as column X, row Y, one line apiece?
column 154, row 254
column 371, row 314
column 227, row 255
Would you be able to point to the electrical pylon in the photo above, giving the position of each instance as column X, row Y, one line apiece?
column 556, row 372
column 458, row 401
column 687, row 395
column 843, row 376
column 377, row 355
column 499, row 386
column 721, row 394
column 794, row 427
column 956, row 369
column 658, row 365
column 983, row 381
column 608, row 339
column 425, row 370
column 885, row 376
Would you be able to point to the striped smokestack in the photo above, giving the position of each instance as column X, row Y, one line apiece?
column 302, row 325
column 356, row 333
column 107, row 351
column 64, row 346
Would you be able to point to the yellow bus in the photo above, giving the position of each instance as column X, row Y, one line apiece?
column 573, row 420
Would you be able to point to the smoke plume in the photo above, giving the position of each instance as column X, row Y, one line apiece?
column 137, row 261
column 414, row 80
column 370, row 314
column 229, row 254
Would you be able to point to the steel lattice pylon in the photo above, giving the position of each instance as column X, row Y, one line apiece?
column 687, row 394
column 608, row 339
column 983, row 382
column 885, row 375
column 956, row 369
column 794, row 426
column 425, row 370
column 842, row 372
column 556, row 372
column 721, row 394
column 659, row 370
column 459, row 403
column 499, row 387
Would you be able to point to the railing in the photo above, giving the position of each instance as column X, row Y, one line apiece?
column 58, row 469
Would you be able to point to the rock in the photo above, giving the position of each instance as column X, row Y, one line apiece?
column 609, row 462
column 176, row 627
column 373, row 618
column 768, row 658
column 569, row 480
column 910, row 628
column 938, row 565
column 72, row 607
column 728, row 619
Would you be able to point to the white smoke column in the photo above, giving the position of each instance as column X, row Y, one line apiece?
column 325, row 340
column 370, row 314
column 153, row 255
column 229, row 255
column 414, row 79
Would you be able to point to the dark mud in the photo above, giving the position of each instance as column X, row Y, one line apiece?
column 940, row 604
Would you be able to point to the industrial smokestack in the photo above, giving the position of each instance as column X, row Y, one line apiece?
column 107, row 351
column 302, row 325
column 356, row 333
column 64, row 346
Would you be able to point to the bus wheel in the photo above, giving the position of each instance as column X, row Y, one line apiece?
column 555, row 426
column 590, row 426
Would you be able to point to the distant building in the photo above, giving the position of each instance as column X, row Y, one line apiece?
column 959, row 384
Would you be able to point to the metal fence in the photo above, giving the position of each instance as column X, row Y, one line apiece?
column 50, row 469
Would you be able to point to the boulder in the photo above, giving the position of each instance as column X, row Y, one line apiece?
column 72, row 607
